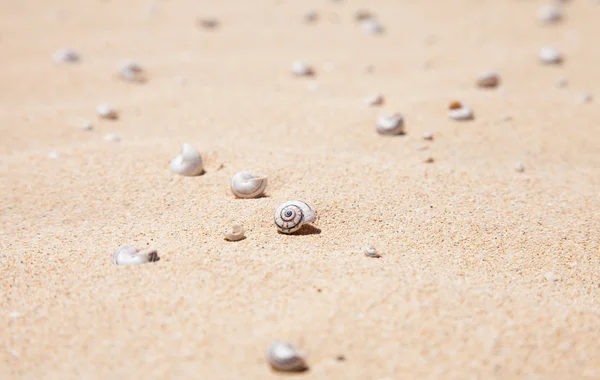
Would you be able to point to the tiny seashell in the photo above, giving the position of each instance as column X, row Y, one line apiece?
column 311, row 17
column 549, row 14
column 584, row 98
column 372, row 252
column 459, row 111
column 519, row 168
column 550, row 56
column 207, row 23
column 374, row 100
column 247, row 185
column 65, row 55
column 390, row 124
column 86, row 126
column 363, row 14
column 105, row 111
column 284, row 356
column 488, row 80
column 188, row 162
column 427, row 136
column 112, row 137
column 292, row 215
column 550, row 276
column 300, row 68
column 371, row 26
column 131, row 71
column 236, row 233
column 130, row 255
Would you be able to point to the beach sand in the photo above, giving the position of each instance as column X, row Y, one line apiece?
column 463, row 288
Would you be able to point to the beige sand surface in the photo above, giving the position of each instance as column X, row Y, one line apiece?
column 459, row 291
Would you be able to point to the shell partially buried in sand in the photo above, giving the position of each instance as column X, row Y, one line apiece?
column 236, row 233
column 292, row 215
column 188, row 162
column 130, row 255
column 390, row 124
column 284, row 356
column 247, row 185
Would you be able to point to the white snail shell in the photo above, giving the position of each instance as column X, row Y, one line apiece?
column 130, row 255
column 292, row 215
column 300, row 69
column 284, row 356
column 247, row 185
column 188, row 162
column 372, row 252
column 236, row 233
column 106, row 111
column 390, row 124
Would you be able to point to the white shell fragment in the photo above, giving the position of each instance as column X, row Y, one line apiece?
column 374, row 100
column 459, row 111
column 390, row 124
column 428, row 136
column 130, row 255
column 372, row 252
column 550, row 56
column 549, row 14
column 550, row 276
column 86, row 126
column 112, row 137
column 188, row 162
column 286, row 357
column 132, row 72
column 65, row 55
column 105, row 111
column 371, row 26
column 519, row 167
column 247, row 185
column 236, row 233
column 488, row 79
column 292, row 215
column 300, row 69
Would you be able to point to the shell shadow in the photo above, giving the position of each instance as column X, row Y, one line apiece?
column 306, row 229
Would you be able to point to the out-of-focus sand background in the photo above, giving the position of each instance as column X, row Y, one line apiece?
column 460, row 290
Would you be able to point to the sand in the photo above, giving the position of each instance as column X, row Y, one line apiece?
column 462, row 289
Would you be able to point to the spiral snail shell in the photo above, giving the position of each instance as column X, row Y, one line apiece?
column 247, row 185
column 292, row 215
column 188, row 162
column 130, row 255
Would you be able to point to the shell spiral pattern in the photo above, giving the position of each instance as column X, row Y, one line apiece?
column 292, row 215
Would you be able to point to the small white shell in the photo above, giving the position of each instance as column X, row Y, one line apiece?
column 371, row 26
column 390, row 124
column 519, row 168
column 236, row 233
column 374, row 100
column 188, row 162
column 247, row 185
column 292, row 215
column 460, row 112
column 131, row 71
column 428, row 136
column 283, row 356
column 65, row 55
column 105, row 111
column 549, row 14
column 372, row 252
column 129, row 255
column 86, row 126
column 550, row 56
column 112, row 137
column 300, row 69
